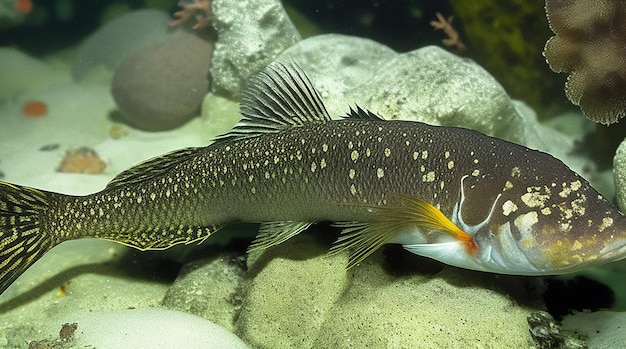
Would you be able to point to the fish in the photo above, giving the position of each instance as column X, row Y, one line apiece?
column 448, row 193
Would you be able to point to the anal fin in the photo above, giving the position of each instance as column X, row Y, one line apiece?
column 274, row 233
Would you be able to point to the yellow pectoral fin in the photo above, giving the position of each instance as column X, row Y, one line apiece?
column 426, row 215
column 363, row 238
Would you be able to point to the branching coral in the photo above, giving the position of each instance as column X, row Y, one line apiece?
column 200, row 8
column 446, row 25
column 590, row 43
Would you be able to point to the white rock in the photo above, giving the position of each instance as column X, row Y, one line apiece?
column 251, row 33
column 150, row 328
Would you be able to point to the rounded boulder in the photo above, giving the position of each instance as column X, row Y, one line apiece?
column 161, row 86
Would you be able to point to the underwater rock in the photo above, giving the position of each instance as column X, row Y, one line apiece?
column 301, row 297
column 428, row 84
column 21, row 72
column 113, row 42
column 150, row 328
column 435, row 86
column 603, row 329
column 251, row 34
column 337, row 63
column 619, row 170
column 207, row 288
column 589, row 43
column 291, row 292
column 161, row 86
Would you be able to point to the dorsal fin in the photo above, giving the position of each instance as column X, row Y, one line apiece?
column 278, row 97
column 359, row 113
column 151, row 168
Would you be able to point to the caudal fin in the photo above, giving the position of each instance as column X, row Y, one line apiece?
column 22, row 239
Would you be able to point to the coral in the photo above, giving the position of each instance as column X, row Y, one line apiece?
column 200, row 8
column 82, row 160
column 453, row 36
column 590, row 43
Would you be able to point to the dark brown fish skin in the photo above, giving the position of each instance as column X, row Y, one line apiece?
column 328, row 171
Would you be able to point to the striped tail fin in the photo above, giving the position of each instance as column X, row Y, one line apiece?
column 22, row 239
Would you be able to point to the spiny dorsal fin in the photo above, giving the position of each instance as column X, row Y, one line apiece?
column 151, row 168
column 362, row 239
column 362, row 114
column 280, row 96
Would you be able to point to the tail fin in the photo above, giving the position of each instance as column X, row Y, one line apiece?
column 22, row 239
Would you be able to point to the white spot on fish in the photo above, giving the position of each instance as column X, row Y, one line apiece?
column 380, row 173
column 606, row 222
column 508, row 207
column 351, row 173
column 446, row 154
column 352, row 189
column 313, row 167
column 476, row 173
column 429, row 177
column 354, row 155
column 524, row 223
column 323, row 163
column 546, row 211
column 387, row 152
column 567, row 190
column 450, row 165
column 424, row 154
column 324, row 147
column 415, row 155
column 516, row 172
column 534, row 198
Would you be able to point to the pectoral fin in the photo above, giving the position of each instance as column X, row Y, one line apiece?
column 363, row 238
column 274, row 233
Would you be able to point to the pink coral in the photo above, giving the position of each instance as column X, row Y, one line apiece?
column 200, row 8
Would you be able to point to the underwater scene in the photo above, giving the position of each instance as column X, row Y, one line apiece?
column 312, row 174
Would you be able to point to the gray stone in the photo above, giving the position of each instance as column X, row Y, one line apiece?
column 428, row 84
column 208, row 288
column 161, row 86
column 619, row 170
column 251, row 33
column 336, row 64
column 116, row 40
column 301, row 297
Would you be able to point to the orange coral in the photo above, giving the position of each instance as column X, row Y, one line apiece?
column 200, row 8
column 23, row 6
column 590, row 43
column 82, row 160
column 446, row 25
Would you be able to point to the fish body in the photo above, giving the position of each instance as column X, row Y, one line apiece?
column 448, row 193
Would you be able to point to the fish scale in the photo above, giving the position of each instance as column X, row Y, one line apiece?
column 448, row 193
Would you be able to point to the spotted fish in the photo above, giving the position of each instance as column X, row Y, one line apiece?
column 448, row 193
